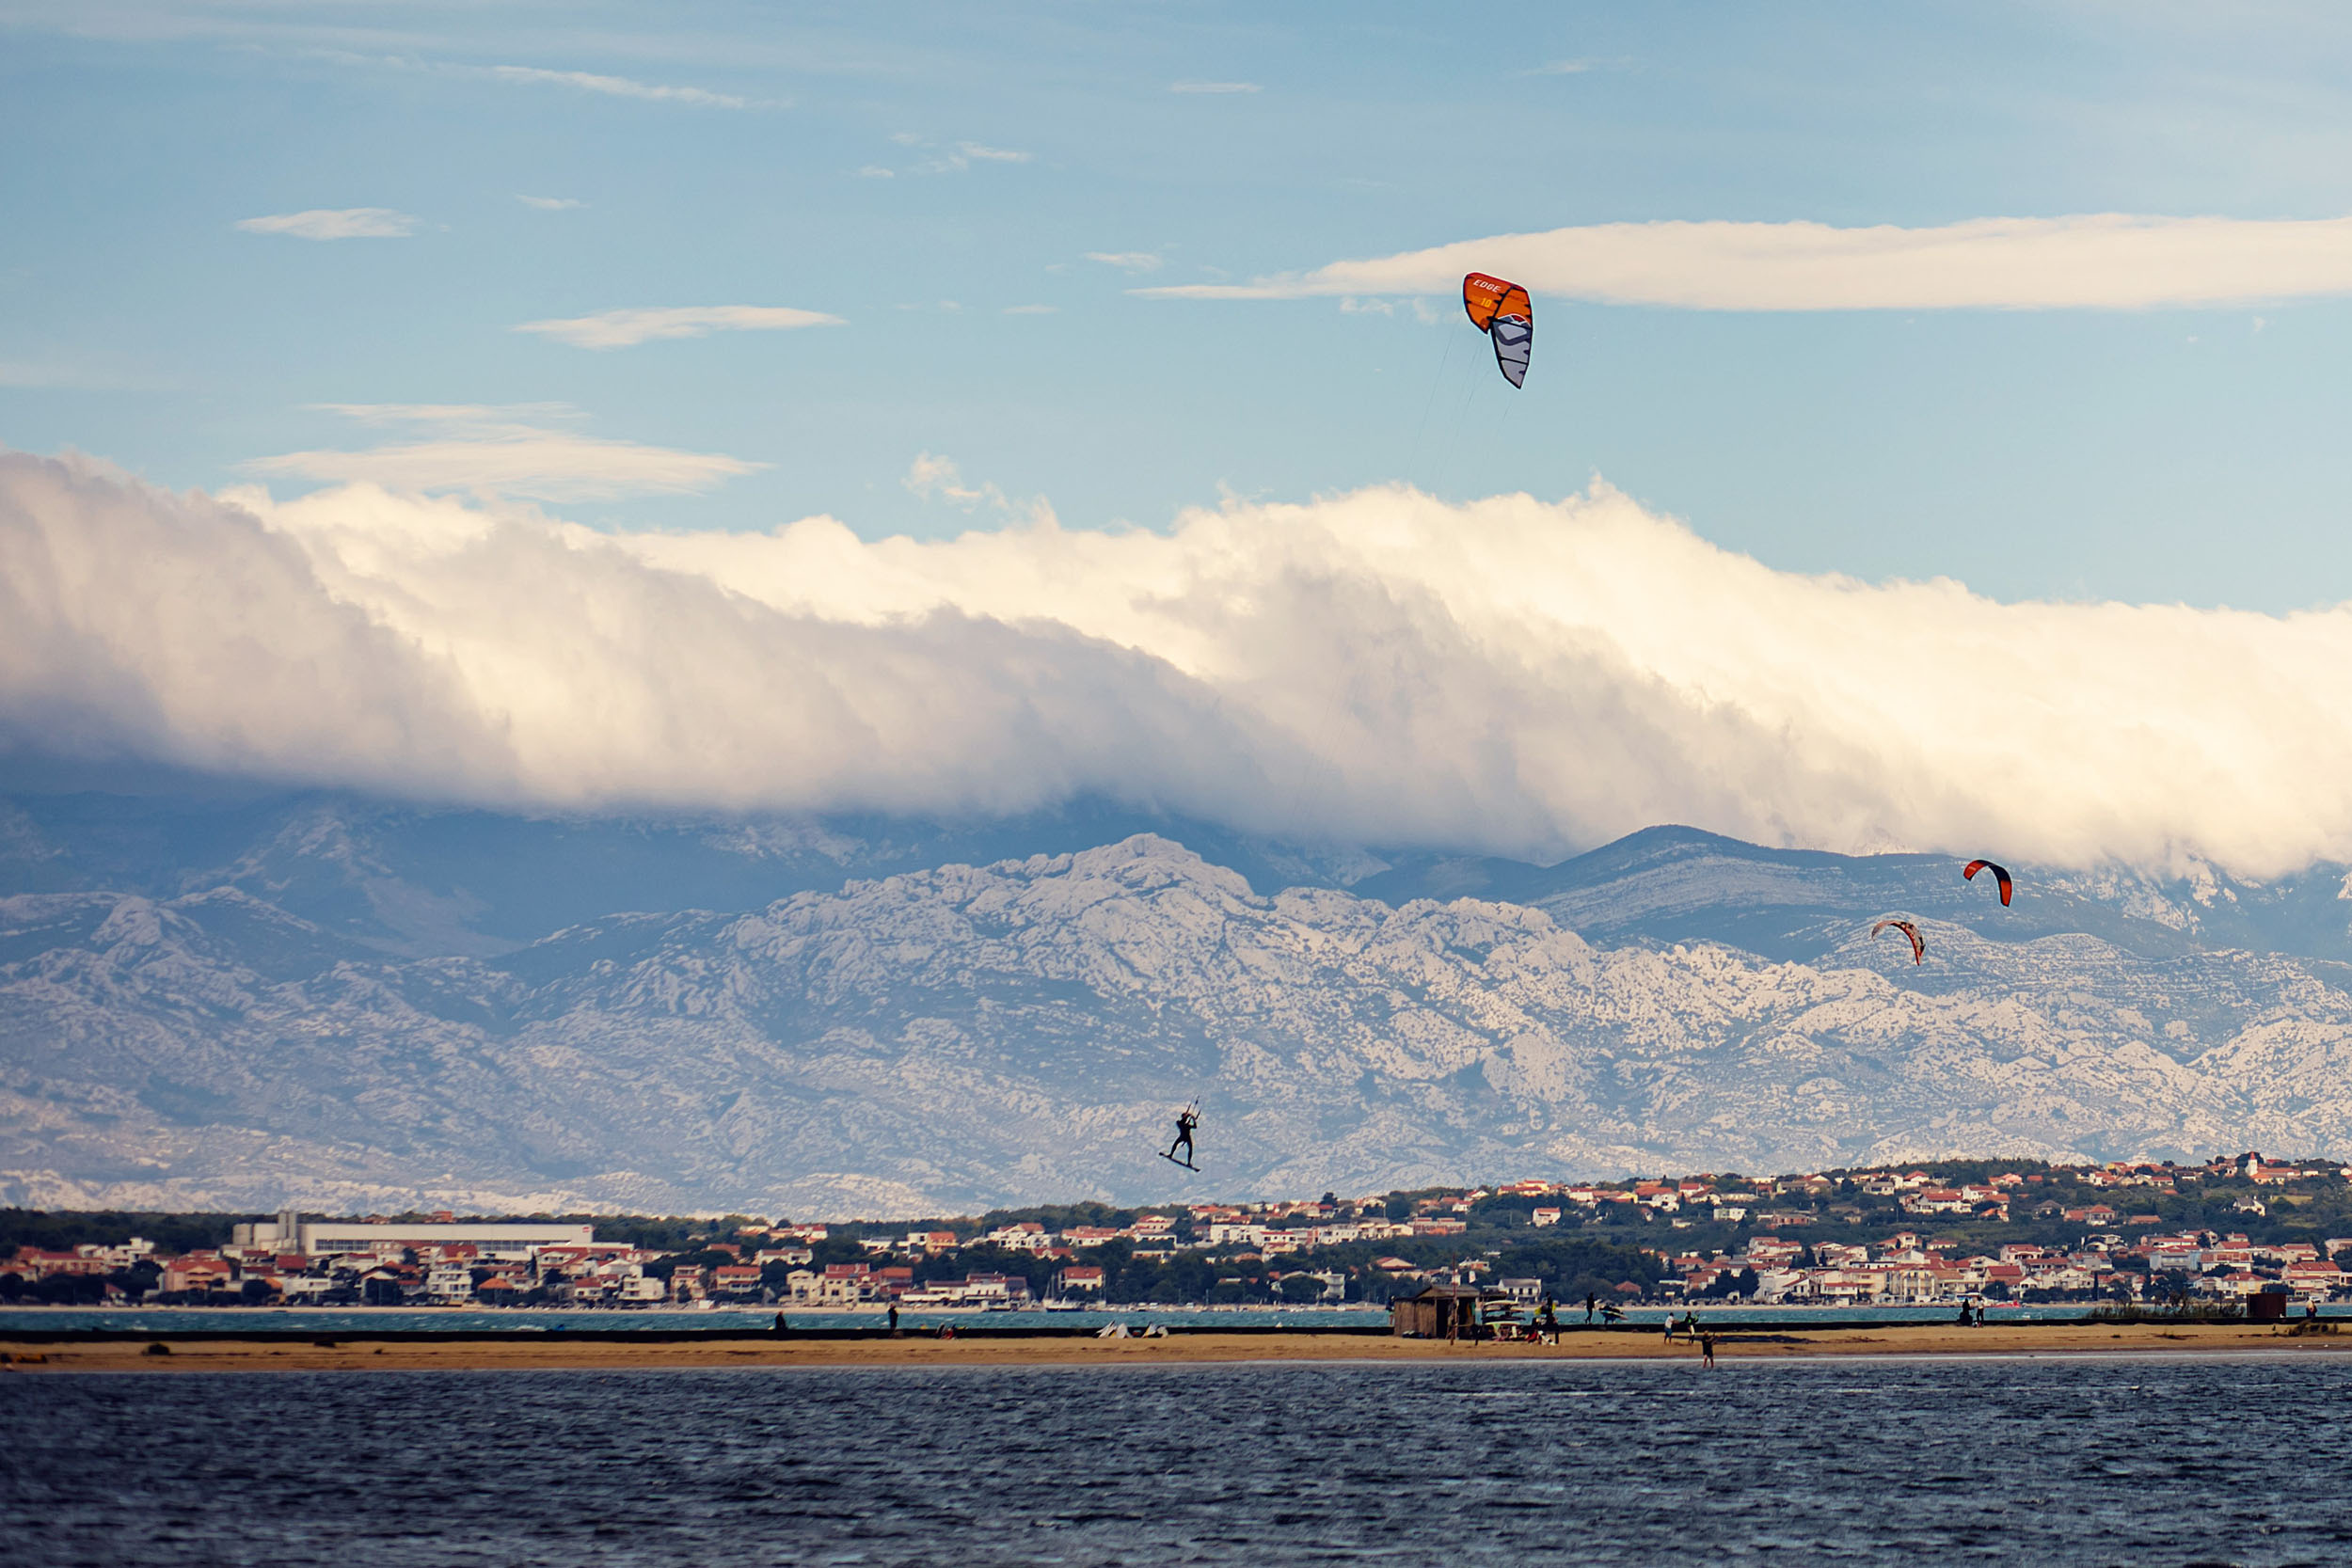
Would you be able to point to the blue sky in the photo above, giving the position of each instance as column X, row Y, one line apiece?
column 732, row 156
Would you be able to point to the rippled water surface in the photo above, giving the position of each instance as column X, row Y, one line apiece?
column 2079, row 1462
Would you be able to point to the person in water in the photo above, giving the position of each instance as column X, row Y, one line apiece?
column 1185, row 1122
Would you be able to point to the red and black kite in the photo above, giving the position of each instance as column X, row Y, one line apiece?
column 1918, row 946
column 2000, row 875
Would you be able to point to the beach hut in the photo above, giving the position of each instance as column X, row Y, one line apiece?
column 1435, row 1312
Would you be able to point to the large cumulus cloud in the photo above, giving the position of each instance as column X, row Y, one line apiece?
column 1513, row 674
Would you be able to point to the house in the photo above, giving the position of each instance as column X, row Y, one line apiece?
column 982, row 1290
column 35, row 1264
column 194, row 1270
column 1541, row 1217
column 1937, row 1200
column 738, row 1281
column 1080, row 1279
column 1027, row 1236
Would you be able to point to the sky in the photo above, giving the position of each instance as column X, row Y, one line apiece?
column 964, row 205
column 1911, row 321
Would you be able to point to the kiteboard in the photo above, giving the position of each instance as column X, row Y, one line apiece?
column 1173, row 1160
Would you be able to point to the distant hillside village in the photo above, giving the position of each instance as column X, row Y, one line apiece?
column 1946, row 1232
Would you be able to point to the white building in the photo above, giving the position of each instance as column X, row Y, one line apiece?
column 512, row 1242
column 449, row 1282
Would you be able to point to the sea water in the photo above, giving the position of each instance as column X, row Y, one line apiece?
column 2125, row 1459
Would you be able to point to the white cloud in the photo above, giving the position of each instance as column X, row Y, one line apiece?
column 1128, row 260
column 616, row 86
column 78, row 375
column 495, row 450
column 875, row 171
column 550, row 203
column 1510, row 674
column 1563, row 68
column 626, row 328
column 936, row 478
column 961, row 156
column 1030, row 309
column 2102, row 262
column 1214, row 86
column 335, row 223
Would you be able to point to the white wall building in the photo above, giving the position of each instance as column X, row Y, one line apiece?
column 327, row 1238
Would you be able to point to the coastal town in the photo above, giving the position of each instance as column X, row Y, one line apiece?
column 2205, row 1236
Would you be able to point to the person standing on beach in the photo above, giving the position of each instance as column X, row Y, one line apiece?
column 894, row 1317
column 1591, row 1301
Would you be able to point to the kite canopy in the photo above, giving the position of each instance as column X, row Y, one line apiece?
column 1919, row 945
column 1968, row 873
column 1502, row 309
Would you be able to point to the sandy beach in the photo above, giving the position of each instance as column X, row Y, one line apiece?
column 541, row 1353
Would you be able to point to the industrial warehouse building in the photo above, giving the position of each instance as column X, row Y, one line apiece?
column 328, row 1238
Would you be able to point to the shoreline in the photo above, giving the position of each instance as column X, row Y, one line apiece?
column 542, row 1353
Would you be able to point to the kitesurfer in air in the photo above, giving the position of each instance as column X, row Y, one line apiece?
column 1186, row 1120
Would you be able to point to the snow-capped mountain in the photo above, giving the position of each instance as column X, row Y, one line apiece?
column 341, row 1005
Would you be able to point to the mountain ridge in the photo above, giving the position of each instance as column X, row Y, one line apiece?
column 959, row 1035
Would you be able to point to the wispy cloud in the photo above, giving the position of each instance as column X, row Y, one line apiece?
column 1030, row 309
column 74, row 375
column 1128, row 260
column 965, row 154
column 2100, row 262
column 498, row 449
column 1565, row 67
column 952, row 159
column 550, row 203
column 875, row 171
column 1214, row 86
column 626, row 328
column 335, row 223
column 936, row 478
column 616, row 86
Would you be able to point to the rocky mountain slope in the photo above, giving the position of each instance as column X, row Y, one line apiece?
column 307, row 1006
